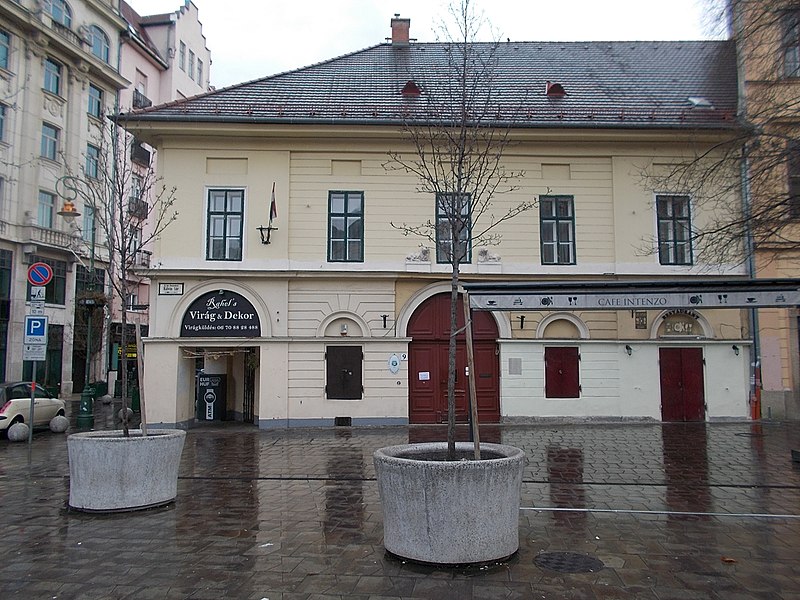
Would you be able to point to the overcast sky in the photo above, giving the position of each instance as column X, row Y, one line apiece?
column 250, row 39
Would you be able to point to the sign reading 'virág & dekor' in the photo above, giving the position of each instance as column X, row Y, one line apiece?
column 221, row 313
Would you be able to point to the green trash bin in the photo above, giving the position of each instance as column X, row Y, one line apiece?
column 100, row 388
column 135, row 401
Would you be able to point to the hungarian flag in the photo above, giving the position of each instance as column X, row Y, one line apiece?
column 273, row 208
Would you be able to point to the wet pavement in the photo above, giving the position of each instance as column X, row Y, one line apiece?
column 672, row 511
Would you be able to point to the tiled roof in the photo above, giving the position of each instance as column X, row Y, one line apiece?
column 136, row 29
column 607, row 84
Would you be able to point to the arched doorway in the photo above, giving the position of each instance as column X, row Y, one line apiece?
column 429, row 328
column 681, row 369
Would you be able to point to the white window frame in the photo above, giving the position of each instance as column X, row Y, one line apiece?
column 101, row 48
column 92, row 168
column 49, row 146
column 95, row 103
column 46, row 209
column 53, row 71
column 5, row 45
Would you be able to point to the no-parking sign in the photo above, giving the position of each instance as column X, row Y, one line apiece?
column 39, row 274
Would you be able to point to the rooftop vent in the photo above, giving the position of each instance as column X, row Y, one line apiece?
column 400, row 31
column 411, row 89
column 700, row 102
column 554, row 90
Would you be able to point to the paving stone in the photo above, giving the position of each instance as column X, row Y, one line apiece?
column 673, row 511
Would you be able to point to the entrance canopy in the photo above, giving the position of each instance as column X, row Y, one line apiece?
column 635, row 295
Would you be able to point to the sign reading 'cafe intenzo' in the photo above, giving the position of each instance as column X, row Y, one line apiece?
column 221, row 313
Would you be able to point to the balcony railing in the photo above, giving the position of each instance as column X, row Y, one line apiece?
column 140, row 100
column 138, row 208
column 140, row 154
column 51, row 237
column 141, row 258
column 66, row 33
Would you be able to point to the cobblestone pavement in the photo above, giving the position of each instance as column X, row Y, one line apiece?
column 673, row 511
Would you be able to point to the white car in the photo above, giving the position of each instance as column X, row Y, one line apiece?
column 15, row 404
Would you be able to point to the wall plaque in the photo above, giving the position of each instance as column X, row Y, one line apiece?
column 221, row 313
column 170, row 289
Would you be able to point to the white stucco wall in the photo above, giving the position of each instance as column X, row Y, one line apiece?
column 614, row 384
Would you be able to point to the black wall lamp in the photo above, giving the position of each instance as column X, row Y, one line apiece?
column 735, row 349
column 521, row 321
column 628, row 349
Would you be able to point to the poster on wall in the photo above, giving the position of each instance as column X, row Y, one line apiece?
column 221, row 313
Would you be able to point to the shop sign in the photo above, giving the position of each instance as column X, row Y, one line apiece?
column 635, row 300
column 221, row 313
column 129, row 353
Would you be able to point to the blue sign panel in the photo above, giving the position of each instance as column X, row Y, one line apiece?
column 35, row 329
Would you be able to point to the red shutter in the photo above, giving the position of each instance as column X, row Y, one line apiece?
column 561, row 372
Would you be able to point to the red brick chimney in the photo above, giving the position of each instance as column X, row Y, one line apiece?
column 400, row 31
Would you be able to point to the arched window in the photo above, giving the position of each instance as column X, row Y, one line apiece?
column 99, row 40
column 59, row 11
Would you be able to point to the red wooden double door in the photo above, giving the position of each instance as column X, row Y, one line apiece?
column 429, row 329
column 682, row 384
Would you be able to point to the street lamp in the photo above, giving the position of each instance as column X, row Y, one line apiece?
column 67, row 188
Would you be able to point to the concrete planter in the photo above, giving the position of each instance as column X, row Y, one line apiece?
column 450, row 512
column 109, row 472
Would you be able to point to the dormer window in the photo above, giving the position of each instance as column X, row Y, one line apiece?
column 700, row 102
column 554, row 90
column 411, row 89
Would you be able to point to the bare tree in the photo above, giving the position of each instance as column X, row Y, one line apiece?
column 129, row 207
column 458, row 145
column 748, row 186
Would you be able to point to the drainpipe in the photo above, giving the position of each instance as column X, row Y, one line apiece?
column 735, row 30
column 755, row 365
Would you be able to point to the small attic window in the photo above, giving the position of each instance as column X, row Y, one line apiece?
column 554, row 90
column 411, row 89
column 699, row 102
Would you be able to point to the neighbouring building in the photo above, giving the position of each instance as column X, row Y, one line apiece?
column 767, row 33
column 166, row 58
column 64, row 67
column 313, row 309
column 58, row 81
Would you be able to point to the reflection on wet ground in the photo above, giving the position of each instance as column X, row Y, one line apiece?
column 672, row 511
column 686, row 472
column 565, row 474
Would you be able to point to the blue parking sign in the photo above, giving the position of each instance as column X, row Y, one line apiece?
column 35, row 329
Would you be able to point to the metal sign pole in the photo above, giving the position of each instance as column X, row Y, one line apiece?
column 33, row 396
column 35, row 339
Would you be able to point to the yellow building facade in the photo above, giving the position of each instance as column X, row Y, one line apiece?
column 768, row 38
column 338, row 319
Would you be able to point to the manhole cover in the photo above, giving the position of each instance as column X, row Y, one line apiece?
column 568, row 562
